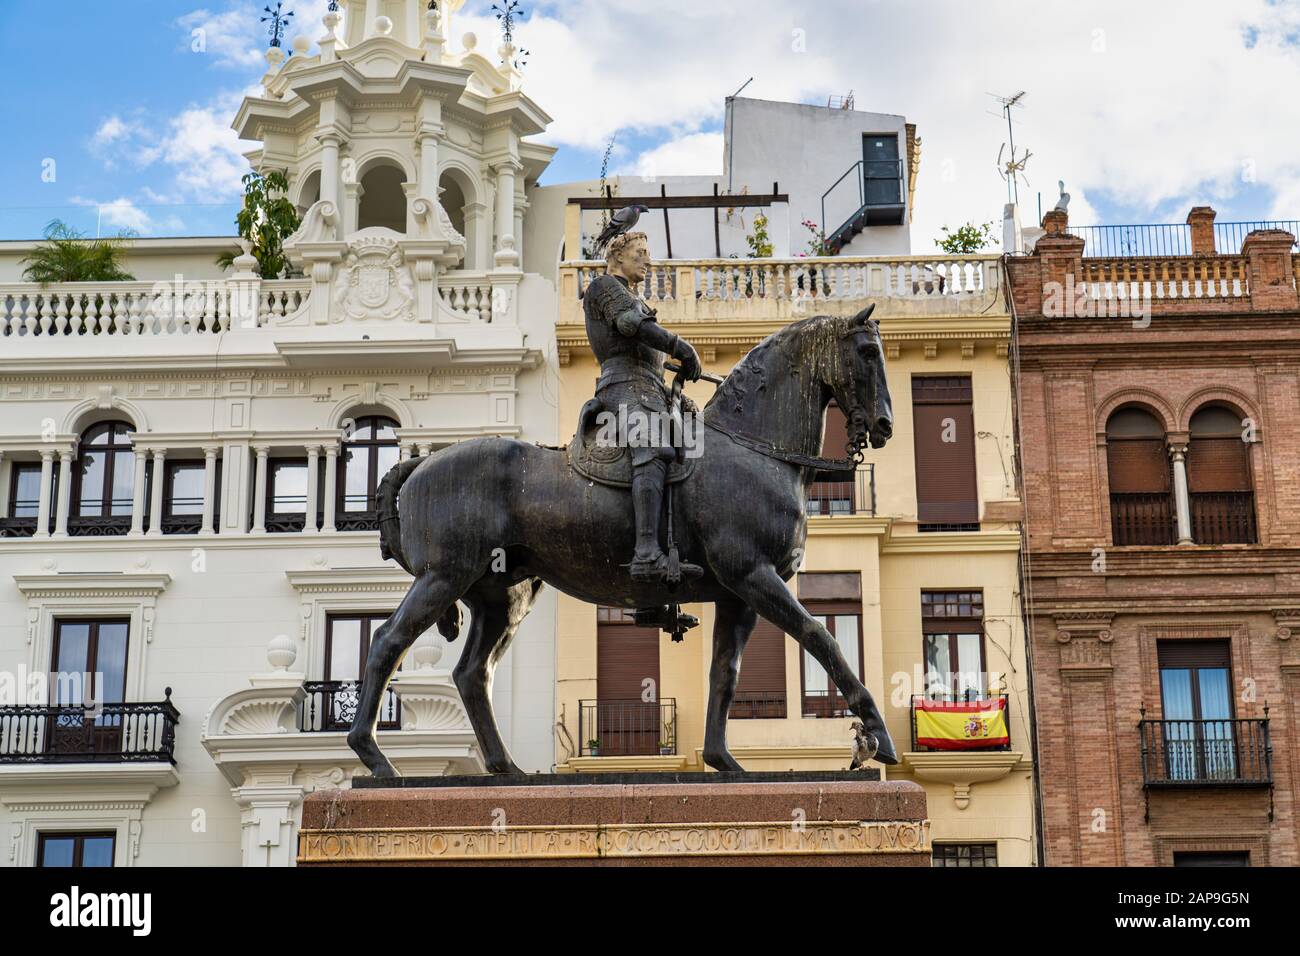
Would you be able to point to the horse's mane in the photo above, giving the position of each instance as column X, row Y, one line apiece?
column 781, row 353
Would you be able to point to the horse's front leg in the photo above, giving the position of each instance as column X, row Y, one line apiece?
column 764, row 591
column 731, row 629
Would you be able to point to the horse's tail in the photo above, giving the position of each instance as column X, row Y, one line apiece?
column 390, row 534
column 390, row 522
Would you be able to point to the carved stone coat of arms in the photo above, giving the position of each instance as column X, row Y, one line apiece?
column 374, row 282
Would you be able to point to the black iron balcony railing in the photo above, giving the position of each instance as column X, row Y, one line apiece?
column 1206, row 753
column 109, row 733
column 1143, row 519
column 99, row 527
column 330, row 707
column 17, row 527
column 357, row 521
column 988, row 703
column 825, row 704
column 758, row 706
column 622, row 728
column 856, row 496
column 1223, row 517
column 1163, row 240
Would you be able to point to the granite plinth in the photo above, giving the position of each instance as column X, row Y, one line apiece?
column 780, row 819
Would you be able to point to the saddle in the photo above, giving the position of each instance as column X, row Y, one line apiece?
column 612, row 464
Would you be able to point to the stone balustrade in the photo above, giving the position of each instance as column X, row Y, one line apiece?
column 710, row 290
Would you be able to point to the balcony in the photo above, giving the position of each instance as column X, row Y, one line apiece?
column 329, row 707
column 758, row 706
column 627, row 728
column 111, row 733
column 1143, row 520
column 853, row 497
column 1223, row 517
column 1206, row 753
column 975, row 724
column 785, row 290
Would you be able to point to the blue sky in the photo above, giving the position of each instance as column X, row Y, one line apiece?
column 1143, row 109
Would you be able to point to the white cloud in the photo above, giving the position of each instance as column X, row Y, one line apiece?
column 1142, row 105
column 696, row 154
column 237, row 39
column 123, row 213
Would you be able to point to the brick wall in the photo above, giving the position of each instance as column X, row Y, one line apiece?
column 1098, row 610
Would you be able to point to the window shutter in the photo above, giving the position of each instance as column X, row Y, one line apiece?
column 762, row 669
column 836, row 436
column 1189, row 653
column 1218, row 464
column 1137, row 465
column 945, row 470
column 625, row 656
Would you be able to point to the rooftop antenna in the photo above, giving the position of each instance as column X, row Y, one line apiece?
column 1012, row 167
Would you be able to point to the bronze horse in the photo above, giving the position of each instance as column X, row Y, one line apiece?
column 741, row 514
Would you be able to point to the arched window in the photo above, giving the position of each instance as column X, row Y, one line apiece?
column 1218, row 478
column 383, row 200
column 368, row 455
column 1137, row 460
column 104, row 480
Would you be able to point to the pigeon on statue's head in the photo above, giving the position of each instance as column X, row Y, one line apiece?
column 621, row 222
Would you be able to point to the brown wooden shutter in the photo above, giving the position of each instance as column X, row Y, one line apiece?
column 945, row 471
column 1137, row 465
column 1194, row 653
column 625, row 656
column 836, row 437
column 760, row 692
column 1218, row 464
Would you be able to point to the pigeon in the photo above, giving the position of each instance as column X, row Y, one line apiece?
column 865, row 746
column 621, row 222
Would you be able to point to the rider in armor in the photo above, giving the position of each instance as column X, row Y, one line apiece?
column 631, row 346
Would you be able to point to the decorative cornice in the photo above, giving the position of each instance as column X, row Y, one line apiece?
column 92, row 585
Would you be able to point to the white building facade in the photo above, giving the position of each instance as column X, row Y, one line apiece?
column 189, row 563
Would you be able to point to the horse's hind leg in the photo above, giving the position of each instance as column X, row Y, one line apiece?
column 427, row 600
column 767, row 594
column 494, row 618
column 732, row 626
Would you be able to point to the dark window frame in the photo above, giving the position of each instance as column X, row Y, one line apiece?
column 836, row 705
column 368, row 627
column 952, row 626
column 92, row 646
column 110, row 451
column 78, row 846
column 964, row 855
column 30, row 468
column 371, row 447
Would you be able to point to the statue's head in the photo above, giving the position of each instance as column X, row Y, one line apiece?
column 629, row 256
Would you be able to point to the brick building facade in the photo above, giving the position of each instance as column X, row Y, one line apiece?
column 1159, row 422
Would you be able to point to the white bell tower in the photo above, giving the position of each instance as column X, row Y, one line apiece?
column 400, row 151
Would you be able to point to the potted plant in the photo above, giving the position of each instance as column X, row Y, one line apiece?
column 760, row 247
column 593, row 747
column 666, row 748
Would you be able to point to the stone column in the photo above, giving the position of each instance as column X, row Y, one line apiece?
column 259, row 490
column 331, row 486
column 425, row 449
column 209, row 489
column 329, row 169
column 506, row 256
column 427, row 140
column 406, row 452
column 1182, row 501
column 313, row 490
column 4, row 491
column 47, row 483
column 156, row 499
column 65, row 494
column 47, row 487
column 137, row 495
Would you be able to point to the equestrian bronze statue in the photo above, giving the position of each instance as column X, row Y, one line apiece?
column 587, row 520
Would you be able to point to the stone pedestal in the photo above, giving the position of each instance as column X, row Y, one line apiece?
column 759, row 819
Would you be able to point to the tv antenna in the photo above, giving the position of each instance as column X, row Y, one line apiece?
column 1011, row 166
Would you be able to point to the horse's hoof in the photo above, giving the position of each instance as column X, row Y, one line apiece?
column 723, row 763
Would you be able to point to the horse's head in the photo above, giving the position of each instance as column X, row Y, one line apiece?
column 858, row 382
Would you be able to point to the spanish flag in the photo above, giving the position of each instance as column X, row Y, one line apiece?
column 971, row 726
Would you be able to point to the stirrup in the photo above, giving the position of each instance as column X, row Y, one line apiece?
column 659, row 569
